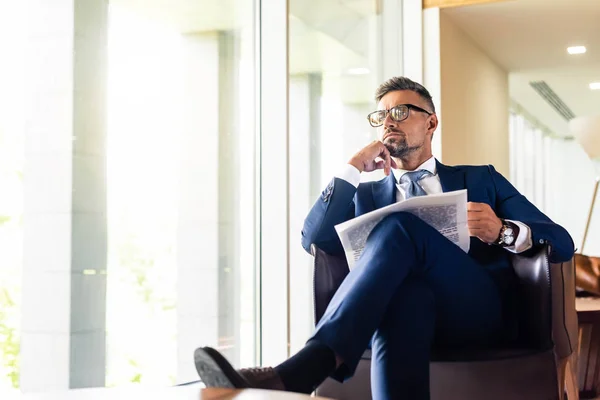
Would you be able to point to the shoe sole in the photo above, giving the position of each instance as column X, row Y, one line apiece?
column 215, row 371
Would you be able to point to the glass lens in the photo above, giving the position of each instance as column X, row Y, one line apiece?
column 376, row 118
column 399, row 113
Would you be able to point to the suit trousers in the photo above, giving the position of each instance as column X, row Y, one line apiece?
column 411, row 288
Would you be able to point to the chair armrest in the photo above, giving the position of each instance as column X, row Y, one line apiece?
column 546, row 305
column 328, row 274
column 565, row 327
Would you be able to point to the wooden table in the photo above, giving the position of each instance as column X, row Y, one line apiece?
column 252, row 394
column 134, row 392
column 588, row 374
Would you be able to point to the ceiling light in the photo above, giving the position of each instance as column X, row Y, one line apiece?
column 595, row 85
column 358, row 71
column 576, row 50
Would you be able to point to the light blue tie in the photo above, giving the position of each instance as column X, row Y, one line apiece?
column 409, row 181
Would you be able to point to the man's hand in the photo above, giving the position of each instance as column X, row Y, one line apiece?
column 483, row 222
column 364, row 160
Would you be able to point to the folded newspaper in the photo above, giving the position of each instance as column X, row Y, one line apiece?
column 446, row 212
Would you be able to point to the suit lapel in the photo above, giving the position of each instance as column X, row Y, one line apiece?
column 451, row 178
column 384, row 191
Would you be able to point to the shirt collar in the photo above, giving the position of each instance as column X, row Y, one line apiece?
column 429, row 165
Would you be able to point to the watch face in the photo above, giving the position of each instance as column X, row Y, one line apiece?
column 508, row 239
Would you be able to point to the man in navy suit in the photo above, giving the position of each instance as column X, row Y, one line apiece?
column 411, row 288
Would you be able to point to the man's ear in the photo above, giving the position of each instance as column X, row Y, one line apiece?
column 432, row 123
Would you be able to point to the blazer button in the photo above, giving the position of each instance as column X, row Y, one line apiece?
column 542, row 241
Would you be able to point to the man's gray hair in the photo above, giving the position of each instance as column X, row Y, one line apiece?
column 403, row 83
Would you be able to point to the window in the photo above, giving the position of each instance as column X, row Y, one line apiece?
column 11, row 190
column 144, row 167
column 335, row 67
column 129, row 193
column 181, row 188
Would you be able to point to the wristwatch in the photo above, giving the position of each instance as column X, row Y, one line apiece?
column 508, row 234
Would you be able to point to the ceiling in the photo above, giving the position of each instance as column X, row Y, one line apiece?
column 326, row 36
column 529, row 39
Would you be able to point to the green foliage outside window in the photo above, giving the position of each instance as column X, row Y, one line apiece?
column 9, row 338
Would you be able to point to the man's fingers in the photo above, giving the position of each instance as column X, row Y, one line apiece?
column 478, row 216
column 471, row 206
column 483, row 230
column 385, row 155
column 478, row 207
column 475, row 215
column 380, row 164
column 479, row 223
column 388, row 161
column 393, row 163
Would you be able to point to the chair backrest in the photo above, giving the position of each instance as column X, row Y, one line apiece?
column 328, row 274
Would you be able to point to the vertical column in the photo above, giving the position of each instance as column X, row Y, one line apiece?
column 64, row 263
column 315, row 92
column 208, row 289
column 432, row 70
column 88, row 207
column 228, row 195
column 274, row 181
column 198, row 225
column 247, row 189
column 412, row 39
column 389, row 58
column 305, row 173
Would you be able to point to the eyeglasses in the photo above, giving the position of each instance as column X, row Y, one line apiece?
column 398, row 113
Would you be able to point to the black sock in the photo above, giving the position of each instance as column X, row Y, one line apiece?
column 304, row 371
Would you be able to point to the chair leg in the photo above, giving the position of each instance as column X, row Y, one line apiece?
column 567, row 378
column 571, row 383
column 561, row 369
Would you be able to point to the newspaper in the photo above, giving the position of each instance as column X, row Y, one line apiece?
column 446, row 212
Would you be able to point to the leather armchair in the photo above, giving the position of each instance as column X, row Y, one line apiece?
column 534, row 367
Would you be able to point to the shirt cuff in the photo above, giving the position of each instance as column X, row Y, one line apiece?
column 523, row 242
column 350, row 174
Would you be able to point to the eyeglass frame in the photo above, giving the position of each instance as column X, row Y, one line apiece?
column 409, row 106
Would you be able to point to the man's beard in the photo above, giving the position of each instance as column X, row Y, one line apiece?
column 398, row 147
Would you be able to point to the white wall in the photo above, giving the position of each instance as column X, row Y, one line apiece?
column 474, row 101
column 557, row 176
column 470, row 92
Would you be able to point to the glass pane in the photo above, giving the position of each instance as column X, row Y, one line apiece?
column 333, row 75
column 181, row 187
column 12, row 39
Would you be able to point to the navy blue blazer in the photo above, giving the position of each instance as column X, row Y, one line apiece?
column 341, row 201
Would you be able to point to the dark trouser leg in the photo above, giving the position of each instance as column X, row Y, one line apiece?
column 402, row 344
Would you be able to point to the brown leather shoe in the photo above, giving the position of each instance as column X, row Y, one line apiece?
column 216, row 371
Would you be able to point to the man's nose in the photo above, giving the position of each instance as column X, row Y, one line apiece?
column 389, row 122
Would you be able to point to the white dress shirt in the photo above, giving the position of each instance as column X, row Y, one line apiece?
column 432, row 185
